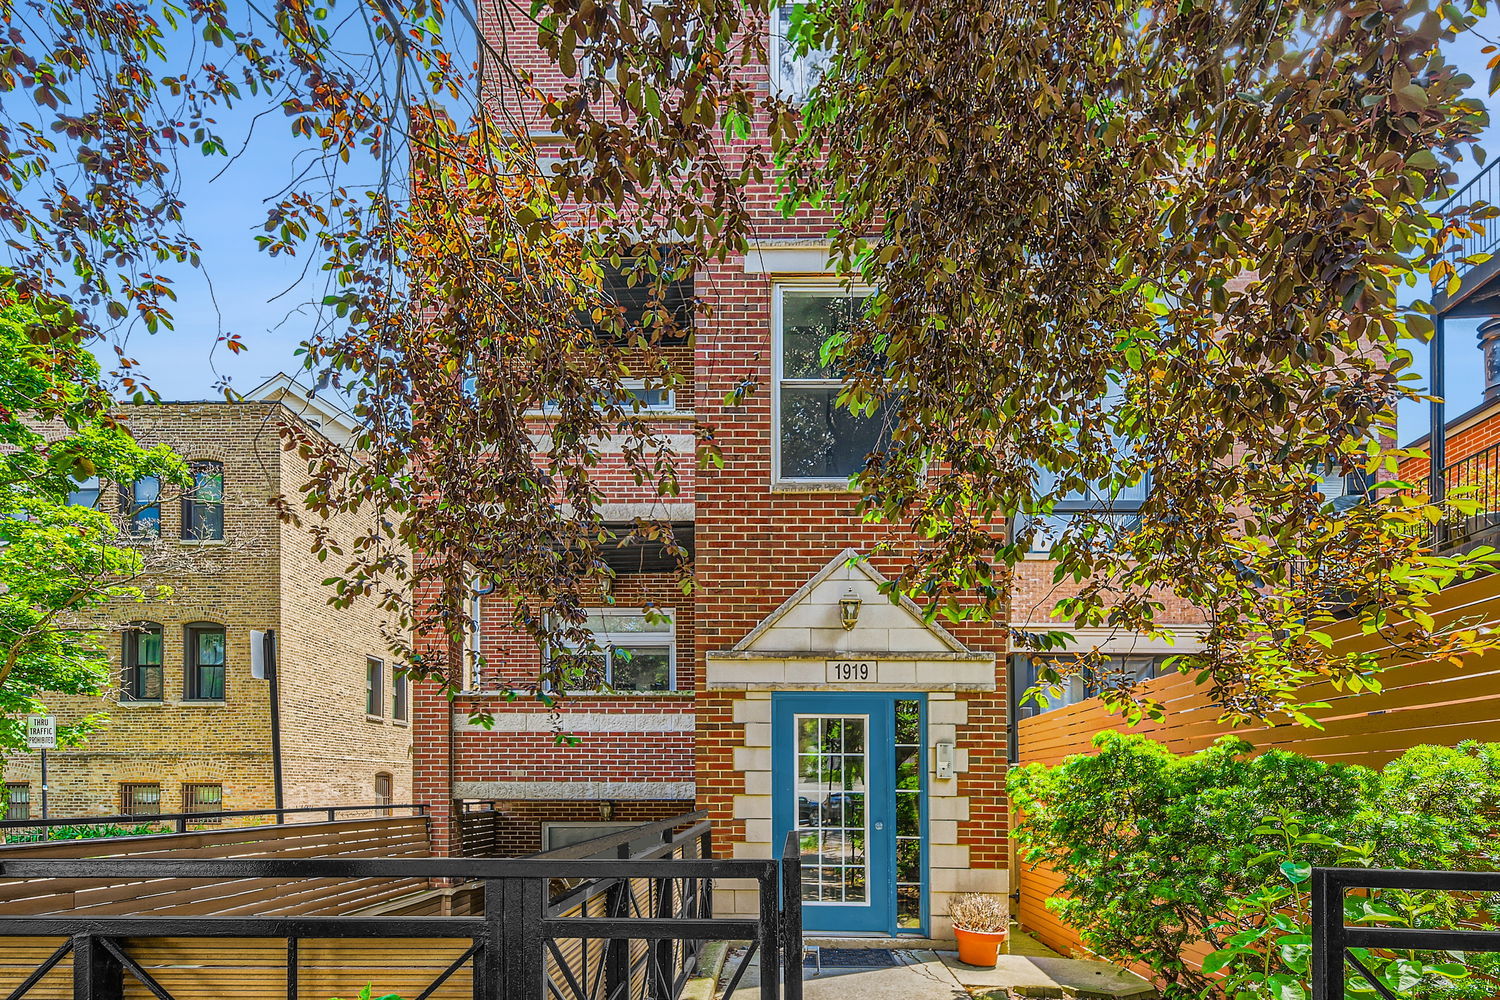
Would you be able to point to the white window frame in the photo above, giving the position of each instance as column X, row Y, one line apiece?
column 778, row 295
column 670, row 636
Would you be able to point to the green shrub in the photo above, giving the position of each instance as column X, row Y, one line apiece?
column 1161, row 853
column 84, row 832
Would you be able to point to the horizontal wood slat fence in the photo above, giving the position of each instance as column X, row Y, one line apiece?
column 1422, row 702
column 394, row 837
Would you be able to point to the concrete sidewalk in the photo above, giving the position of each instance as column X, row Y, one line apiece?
column 921, row 976
column 1028, row 970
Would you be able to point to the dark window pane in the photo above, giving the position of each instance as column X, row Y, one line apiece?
column 821, row 440
column 399, row 695
column 374, row 686
column 808, row 321
column 86, row 493
column 641, row 669
column 143, row 506
column 142, row 662
column 205, row 681
column 908, row 722
column 203, row 505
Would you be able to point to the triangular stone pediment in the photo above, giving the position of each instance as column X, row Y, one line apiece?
column 809, row 621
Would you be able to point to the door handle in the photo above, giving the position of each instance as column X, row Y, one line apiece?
column 880, row 826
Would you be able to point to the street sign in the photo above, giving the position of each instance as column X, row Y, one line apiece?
column 41, row 732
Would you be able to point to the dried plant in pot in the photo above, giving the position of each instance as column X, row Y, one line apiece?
column 980, row 923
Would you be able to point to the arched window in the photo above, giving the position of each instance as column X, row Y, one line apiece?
column 141, row 659
column 203, row 505
column 205, row 657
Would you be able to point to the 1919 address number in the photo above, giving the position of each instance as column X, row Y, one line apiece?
column 846, row 671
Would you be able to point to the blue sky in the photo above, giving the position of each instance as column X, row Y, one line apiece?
column 241, row 289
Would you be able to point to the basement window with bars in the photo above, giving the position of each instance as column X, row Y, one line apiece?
column 203, row 798
column 637, row 651
column 18, row 800
column 137, row 799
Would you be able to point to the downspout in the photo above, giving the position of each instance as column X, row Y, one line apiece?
column 1437, row 437
column 273, row 674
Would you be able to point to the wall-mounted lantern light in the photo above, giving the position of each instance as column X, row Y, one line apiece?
column 849, row 610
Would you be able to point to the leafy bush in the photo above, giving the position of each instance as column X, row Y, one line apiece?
column 84, row 832
column 1163, row 857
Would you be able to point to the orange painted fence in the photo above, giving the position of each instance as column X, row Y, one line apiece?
column 1422, row 701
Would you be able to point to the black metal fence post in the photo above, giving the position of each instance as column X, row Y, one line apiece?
column 1328, row 935
column 791, row 915
column 770, row 933
column 523, row 905
column 617, row 950
column 489, row 964
column 97, row 975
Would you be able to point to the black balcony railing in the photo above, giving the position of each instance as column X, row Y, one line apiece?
column 1474, row 479
column 1334, row 941
column 181, row 821
column 552, row 927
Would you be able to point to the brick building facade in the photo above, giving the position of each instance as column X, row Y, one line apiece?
column 797, row 698
column 189, row 715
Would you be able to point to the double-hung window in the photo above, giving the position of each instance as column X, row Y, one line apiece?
column 400, row 696
column 205, row 662
column 1085, row 682
column 374, row 687
column 637, row 651
column 1121, row 507
column 141, row 660
column 140, row 503
column 85, row 492
column 793, row 74
column 203, row 505
column 816, row 440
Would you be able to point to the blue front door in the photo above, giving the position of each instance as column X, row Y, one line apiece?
column 835, row 762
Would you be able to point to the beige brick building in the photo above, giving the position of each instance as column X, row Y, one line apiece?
column 190, row 713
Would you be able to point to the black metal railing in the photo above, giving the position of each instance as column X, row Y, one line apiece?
column 1476, row 201
column 559, row 926
column 180, row 821
column 1476, row 479
column 1334, row 941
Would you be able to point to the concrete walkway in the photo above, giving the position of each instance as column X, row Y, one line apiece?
column 922, row 977
column 1029, row 970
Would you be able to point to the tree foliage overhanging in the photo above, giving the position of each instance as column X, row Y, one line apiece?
column 1112, row 241
column 59, row 561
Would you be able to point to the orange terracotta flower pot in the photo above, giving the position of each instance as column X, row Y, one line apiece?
column 980, row 948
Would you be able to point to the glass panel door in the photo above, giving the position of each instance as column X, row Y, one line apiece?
column 849, row 782
column 832, row 769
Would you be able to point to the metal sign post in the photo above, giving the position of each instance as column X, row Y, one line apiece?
column 41, row 734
